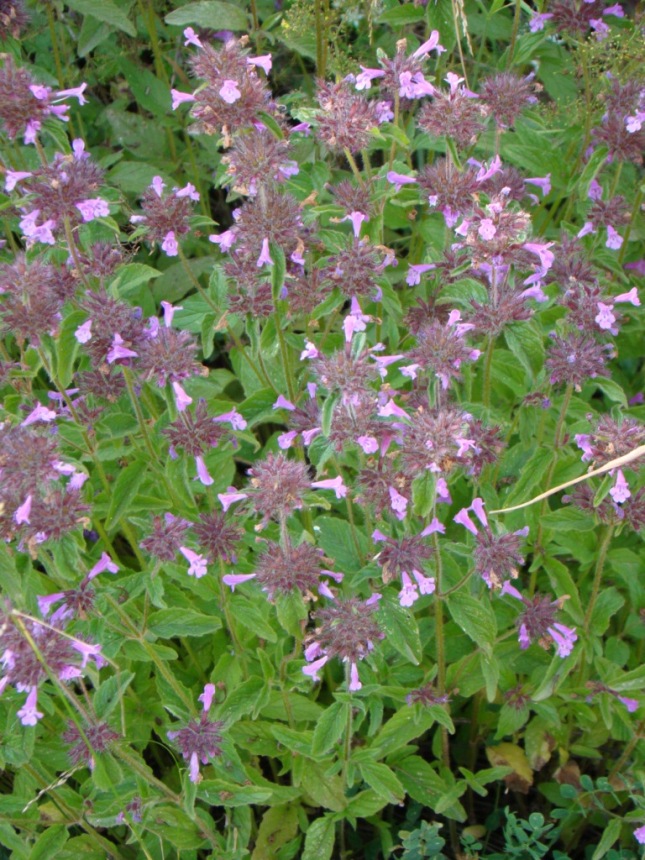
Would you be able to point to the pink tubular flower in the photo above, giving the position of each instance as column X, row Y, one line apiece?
column 230, row 92
column 620, row 492
column 229, row 498
column 366, row 76
column 398, row 503
column 265, row 255
column 197, row 563
column 207, row 696
column 313, row 668
column 202, row 472
column 225, row 240
column 191, row 38
column 431, row 44
column 614, row 239
column 29, row 714
column 415, row 271
column 354, row 681
column 368, row 443
column 118, row 350
column 399, row 179
column 263, row 62
column 13, row 177
column 182, row 400
column 92, row 208
column 40, row 413
column 84, row 332
column 357, row 219
column 74, row 93
column 22, row 513
column 169, row 244
column 336, row 484
column 234, row 579
column 169, row 311
column 104, row 563
column 179, row 98
column 639, row 834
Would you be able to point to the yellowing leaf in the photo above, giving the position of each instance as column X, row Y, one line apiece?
column 510, row 755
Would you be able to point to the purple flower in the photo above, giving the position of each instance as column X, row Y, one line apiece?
column 202, row 472
column 398, row 503
column 335, row 484
column 620, row 492
column 229, row 498
column 399, row 179
column 104, row 563
column 28, row 714
column 432, row 44
column 415, row 271
column 225, row 240
column 365, row 78
column 169, row 244
column 640, row 835
column 538, row 20
column 264, row 62
column 234, row 579
column 230, row 92
column 118, row 350
column 84, row 332
column 94, row 207
column 198, row 564
column 40, row 413
column 265, row 255
column 182, row 400
column 179, row 98
column 614, row 239
column 22, row 513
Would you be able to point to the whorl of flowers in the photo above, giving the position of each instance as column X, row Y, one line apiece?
column 166, row 216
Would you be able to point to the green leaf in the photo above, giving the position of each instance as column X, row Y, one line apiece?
column 279, row 826
column 319, row 841
column 595, row 162
column 610, row 389
column 563, row 583
column 490, row 671
column 248, row 698
column 131, row 276
column 124, row 490
column 526, row 343
column 322, row 788
column 278, row 271
column 568, row 519
column 607, row 605
column 110, row 692
column 67, row 347
column 210, row 14
column 383, row 780
column 423, row 494
column 401, row 631
column 252, row 618
column 182, row 622
column 532, row 472
column 476, row 619
column 218, row 792
column 611, row 834
column 400, row 730
column 49, row 843
column 402, row 15
column 425, row 786
column 298, row 742
column 291, row 611
column 106, row 11
column 336, row 538
column 329, row 728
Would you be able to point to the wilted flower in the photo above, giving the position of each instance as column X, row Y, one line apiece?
column 346, row 630
column 538, row 622
column 199, row 740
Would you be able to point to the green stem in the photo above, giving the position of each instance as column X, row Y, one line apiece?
column 286, row 364
column 632, row 220
column 557, row 444
column 440, row 646
column 600, row 564
column 127, row 375
column 516, row 27
column 352, row 163
column 488, row 364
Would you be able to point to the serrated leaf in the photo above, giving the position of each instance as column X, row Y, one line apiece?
column 329, row 728
column 106, row 11
column 182, row 622
column 527, row 345
column 513, row 756
column 108, row 695
column 211, row 14
column 476, row 619
column 324, row 789
column 568, row 519
column 291, row 611
column 336, row 538
column 218, row 792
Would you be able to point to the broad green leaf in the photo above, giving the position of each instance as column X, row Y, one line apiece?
column 400, row 730
column 401, row 631
column 319, row 841
column 322, row 788
column 279, row 826
column 219, row 792
column 607, row 605
column 105, row 11
column 424, row 785
column 611, row 834
column 383, row 780
column 526, row 343
column 248, row 698
column 402, row 15
column 182, row 622
column 329, row 728
column 110, row 692
column 338, row 540
column 568, row 519
column 298, row 742
column 131, row 276
column 532, row 472
column 67, row 347
column 291, row 611
column 476, row 619
column 124, row 490
column 50, row 843
column 211, row 14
